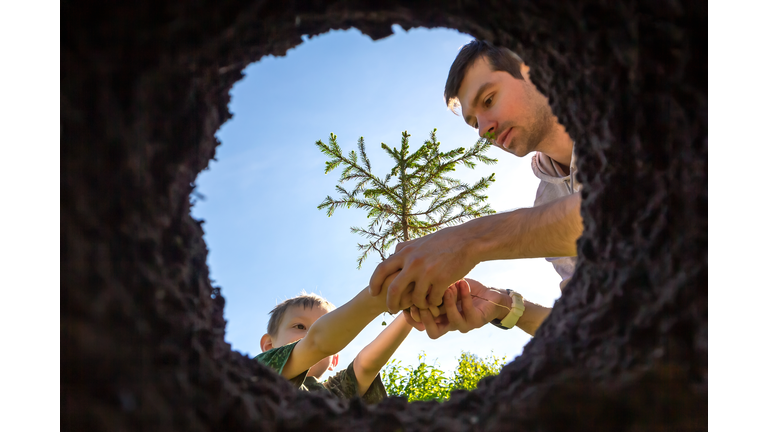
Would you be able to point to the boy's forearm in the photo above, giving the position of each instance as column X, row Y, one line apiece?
column 333, row 331
column 376, row 354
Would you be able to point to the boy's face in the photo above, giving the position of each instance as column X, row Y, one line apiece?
column 517, row 115
column 296, row 322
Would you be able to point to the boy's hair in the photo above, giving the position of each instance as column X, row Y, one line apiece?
column 500, row 59
column 304, row 300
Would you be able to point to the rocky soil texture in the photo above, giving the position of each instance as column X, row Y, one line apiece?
column 144, row 87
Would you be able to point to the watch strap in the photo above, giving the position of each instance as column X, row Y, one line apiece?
column 516, row 311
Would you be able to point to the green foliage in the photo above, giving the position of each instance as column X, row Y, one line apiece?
column 471, row 369
column 489, row 135
column 426, row 382
column 417, row 178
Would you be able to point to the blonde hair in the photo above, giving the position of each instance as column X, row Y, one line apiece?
column 304, row 300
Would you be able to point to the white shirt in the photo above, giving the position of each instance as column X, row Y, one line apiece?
column 555, row 183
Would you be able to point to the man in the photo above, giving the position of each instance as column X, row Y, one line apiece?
column 492, row 88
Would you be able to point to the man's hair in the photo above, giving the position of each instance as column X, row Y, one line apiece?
column 304, row 300
column 500, row 59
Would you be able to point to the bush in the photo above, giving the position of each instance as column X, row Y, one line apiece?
column 427, row 382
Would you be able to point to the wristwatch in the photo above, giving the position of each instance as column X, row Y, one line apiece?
column 518, row 307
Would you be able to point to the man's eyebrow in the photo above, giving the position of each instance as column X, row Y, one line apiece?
column 478, row 95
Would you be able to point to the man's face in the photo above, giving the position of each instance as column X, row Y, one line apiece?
column 294, row 326
column 511, row 110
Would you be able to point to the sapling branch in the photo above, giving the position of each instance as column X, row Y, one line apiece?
column 421, row 177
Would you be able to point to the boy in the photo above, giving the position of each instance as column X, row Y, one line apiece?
column 305, row 334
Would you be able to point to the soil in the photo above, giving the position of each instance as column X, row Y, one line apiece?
column 144, row 87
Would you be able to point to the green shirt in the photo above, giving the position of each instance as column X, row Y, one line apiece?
column 343, row 384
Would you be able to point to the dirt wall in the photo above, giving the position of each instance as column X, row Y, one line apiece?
column 144, row 87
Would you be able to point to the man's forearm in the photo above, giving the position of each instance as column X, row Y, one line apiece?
column 532, row 317
column 549, row 230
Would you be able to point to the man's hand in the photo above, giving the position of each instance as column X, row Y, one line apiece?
column 439, row 318
column 468, row 305
column 429, row 265
column 435, row 261
column 404, row 301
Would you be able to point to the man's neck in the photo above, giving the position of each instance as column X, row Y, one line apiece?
column 559, row 147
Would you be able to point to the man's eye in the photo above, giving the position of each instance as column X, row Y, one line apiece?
column 488, row 101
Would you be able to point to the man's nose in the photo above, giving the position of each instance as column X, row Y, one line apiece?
column 486, row 127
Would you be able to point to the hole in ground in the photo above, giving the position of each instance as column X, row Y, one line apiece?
column 267, row 239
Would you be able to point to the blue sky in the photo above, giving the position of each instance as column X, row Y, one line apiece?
column 266, row 237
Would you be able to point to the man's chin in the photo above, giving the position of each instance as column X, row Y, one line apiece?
column 511, row 150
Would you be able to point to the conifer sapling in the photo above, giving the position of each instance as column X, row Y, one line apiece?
column 415, row 198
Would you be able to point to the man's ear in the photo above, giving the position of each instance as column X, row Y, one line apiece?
column 266, row 342
column 524, row 70
column 334, row 361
